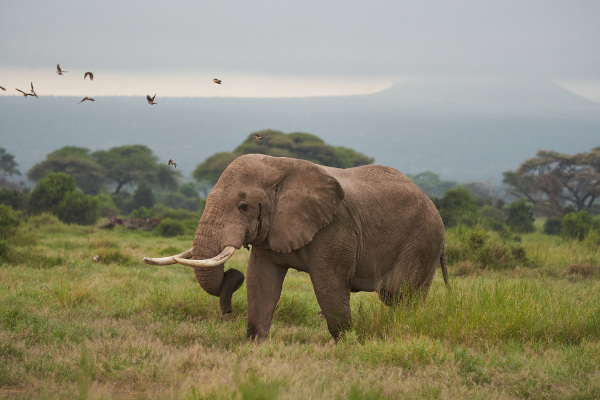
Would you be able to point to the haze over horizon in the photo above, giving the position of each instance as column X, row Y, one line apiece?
column 292, row 49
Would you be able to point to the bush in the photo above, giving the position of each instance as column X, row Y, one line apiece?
column 9, row 222
column 487, row 250
column 169, row 227
column 49, row 192
column 106, row 205
column 141, row 213
column 575, row 225
column 552, row 226
column 14, row 198
column 78, row 208
column 457, row 207
column 519, row 216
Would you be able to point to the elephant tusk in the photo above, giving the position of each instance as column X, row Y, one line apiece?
column 167, row 260
column 209, row 262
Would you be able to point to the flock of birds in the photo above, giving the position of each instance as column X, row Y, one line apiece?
column 90, row 74
column 60, row 71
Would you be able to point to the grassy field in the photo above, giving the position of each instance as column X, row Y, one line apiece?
column 522, row 320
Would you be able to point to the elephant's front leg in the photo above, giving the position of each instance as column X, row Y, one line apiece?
column 264, row 281
column 333, row 296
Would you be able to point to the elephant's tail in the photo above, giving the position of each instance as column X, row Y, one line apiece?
column 444, row 266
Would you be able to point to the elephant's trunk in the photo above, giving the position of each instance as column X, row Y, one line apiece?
column 213, row 278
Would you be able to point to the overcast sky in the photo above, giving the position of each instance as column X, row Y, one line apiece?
column 291, row 48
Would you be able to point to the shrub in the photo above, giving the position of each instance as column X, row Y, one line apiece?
column 552, row 226
column 49, row 192
column 78, row 208
column 9, row 222
column 14, row 198
column 170, row 227
column 141, row 213
column 575, row 225
column 106, row 205
column 143, row 196
column 520, row 216
column 458, row 207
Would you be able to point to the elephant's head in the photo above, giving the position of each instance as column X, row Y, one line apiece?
column 268, row 202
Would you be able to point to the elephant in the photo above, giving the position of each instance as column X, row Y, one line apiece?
column 366, row 228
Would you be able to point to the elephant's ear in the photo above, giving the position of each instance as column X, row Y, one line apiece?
column 306, row 200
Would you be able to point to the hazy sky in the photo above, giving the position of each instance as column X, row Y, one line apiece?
column 291, row 48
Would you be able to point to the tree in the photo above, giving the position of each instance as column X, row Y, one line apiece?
column 49, row 192
column 76, row 162
column 78, row 208
column 551, row 180
column 8, row 165
column 275, row 143
column 431, row 183
column 132, row 164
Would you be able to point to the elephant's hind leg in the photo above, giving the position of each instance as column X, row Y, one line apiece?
column 408, row 279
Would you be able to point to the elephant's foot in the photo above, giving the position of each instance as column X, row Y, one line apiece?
column 232, row 280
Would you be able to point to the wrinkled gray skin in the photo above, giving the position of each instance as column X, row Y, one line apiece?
column 360, row 229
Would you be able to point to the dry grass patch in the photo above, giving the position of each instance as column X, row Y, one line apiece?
column 587, row 271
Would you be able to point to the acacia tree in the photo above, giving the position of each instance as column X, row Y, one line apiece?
column 76, row 162
column 275, row 143
column 551, row 180
column 132, row 164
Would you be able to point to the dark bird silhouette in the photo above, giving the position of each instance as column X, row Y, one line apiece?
column 58, row 70
column 217, row 81
column 2, row 88
column 86, row 98
column 171, row 162
column 24, row 93
column 257, row 136
column 33, row 91
column 90, row 74
column 151, row 99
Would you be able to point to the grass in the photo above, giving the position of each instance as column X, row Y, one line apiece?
column 74, row 328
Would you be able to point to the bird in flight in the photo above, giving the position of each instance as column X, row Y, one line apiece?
column 90, row 74
column 33, row 91
column 58, row 70
column 171, row 162
column 257, row 136
column 2, row 88
column 86, row 98
column 217, row 81
column 24, row 93
column 151, row 99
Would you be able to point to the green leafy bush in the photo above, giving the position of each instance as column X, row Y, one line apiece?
column 575, row 225
column 486, row 250
column 9, row 222
column 49, row 192
column 457, row 207
column 552, row 226
column 141, row 213
column 169, row 227
column 106, row 205
column 519, row 216
column 14, row 198
column 78, row 208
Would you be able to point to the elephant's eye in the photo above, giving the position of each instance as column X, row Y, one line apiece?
column 243, row 207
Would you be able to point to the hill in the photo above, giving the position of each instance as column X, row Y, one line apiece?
column 462, row 129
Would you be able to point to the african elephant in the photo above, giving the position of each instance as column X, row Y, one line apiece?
column 367, row 228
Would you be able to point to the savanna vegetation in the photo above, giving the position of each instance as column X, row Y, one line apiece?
column 521, row 319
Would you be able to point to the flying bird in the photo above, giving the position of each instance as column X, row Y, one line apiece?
column 90, row 74
column 24, row 93
column 86, row 98
column 257, row 136
column 2, row 88
column 151, row 99
column 33, row 91
column 217, row 81
column 171, row 162
column 58, row 70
